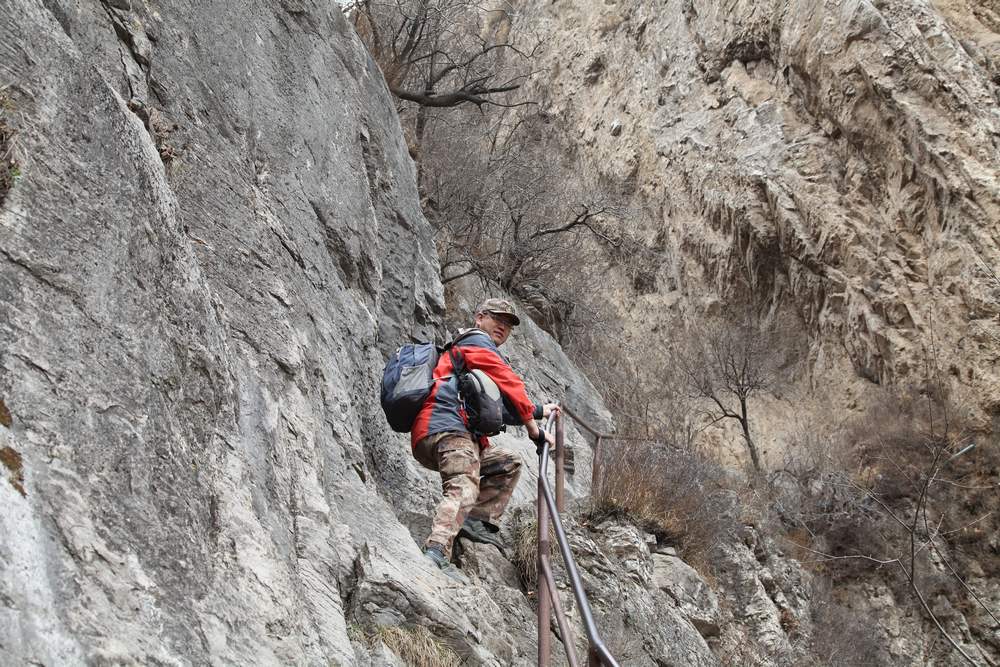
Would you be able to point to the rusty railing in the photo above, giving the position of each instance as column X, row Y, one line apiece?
column 548, row 508
column 596, row 470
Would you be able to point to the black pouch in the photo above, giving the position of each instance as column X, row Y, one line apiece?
column 481, row 397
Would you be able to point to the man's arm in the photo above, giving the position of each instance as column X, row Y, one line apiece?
column 511, row 418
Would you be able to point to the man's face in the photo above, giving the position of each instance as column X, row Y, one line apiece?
column 497, row 326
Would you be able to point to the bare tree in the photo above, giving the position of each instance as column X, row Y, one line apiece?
column 443, row 53
column 503, row 207
column 439, row 53
column 729, row 363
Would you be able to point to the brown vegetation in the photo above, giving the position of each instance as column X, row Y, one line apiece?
column 10, row 171
column 416, row 646
column 503, row 215
column 5, row 416
column 902, row 512
column 680, row 496
column 11, row 459
column 840, row 636
column 503, row 207
column 728, row 363
column 441, row 53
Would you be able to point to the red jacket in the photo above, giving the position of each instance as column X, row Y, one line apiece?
column 443, row 410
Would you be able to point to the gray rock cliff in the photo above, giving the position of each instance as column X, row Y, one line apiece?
column 210, row 239
column 211, row 242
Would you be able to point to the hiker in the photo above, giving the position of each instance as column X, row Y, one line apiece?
column 477, row 478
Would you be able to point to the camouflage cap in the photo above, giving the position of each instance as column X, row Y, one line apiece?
column 498, row 307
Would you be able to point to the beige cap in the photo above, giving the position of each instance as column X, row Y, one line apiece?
column 498, row 307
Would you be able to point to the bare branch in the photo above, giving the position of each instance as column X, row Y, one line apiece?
column 453, row 99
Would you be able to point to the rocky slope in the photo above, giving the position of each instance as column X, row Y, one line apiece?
column 838, row 159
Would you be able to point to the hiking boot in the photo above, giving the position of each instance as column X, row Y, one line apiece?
column 483, row 532
column 437, row 557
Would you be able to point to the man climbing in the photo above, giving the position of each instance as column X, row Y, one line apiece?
column 477, row 478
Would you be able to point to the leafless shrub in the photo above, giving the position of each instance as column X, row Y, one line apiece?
column 503, row 208
column 643, row 387
column 839, row 635
column 509, row 205
column 510, row 213
column 896, row 517
column 441, row 53
column 680, row 496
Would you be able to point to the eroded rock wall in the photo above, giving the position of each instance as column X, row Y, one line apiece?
column 214, row 234
column 839, row 158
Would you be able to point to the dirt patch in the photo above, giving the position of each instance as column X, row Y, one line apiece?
column 12, row 460
column 5, row 418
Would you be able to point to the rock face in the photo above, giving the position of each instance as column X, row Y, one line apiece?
column 839, row 159
column 694, row 597
column 212, row 241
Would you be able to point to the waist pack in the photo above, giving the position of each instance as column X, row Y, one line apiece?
column 408, row 379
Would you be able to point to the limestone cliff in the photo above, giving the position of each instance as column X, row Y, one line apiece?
column 210, row 238
column 836, row 158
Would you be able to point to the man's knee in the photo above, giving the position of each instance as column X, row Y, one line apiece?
column 502, row 463
column 513, row 466
column 457, row 455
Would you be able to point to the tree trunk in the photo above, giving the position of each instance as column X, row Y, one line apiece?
column 418, row 139
column 751, row 447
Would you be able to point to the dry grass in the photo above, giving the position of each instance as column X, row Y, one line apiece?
column 679, row 496
column 524, row 550
column 11, row 459
column 415, row 646
column 9, row 169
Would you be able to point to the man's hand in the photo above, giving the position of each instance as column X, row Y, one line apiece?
column 549, row 408
column 541, row 438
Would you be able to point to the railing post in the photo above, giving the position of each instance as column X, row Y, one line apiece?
column 544, row 603
column 593, row 659
column 560, row 464
column 595, row 472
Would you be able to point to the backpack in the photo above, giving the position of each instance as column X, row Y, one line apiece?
column 407, row 382
column 481, row 397
column 408, row 379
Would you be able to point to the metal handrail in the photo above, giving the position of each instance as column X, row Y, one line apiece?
column 547, row 595
column 580, row 421
column 599, row 439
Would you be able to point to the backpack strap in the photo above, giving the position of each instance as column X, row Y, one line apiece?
column 457, row 368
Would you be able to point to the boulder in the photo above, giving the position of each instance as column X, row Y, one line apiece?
column 693, row 596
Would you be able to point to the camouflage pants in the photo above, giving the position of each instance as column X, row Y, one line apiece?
column 476, row 482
